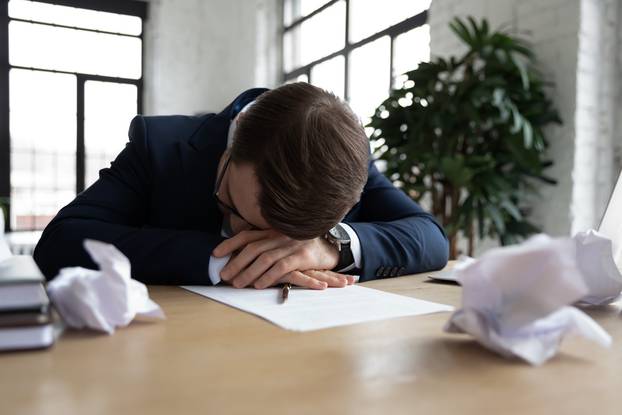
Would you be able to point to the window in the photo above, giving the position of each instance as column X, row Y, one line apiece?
column 74, row 77
column 358, row 49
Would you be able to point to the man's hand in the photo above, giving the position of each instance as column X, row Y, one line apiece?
column 317, row 280
column 266, row 258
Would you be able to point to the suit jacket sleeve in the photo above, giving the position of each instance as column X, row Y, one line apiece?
column 113, row 210
column 397, row 236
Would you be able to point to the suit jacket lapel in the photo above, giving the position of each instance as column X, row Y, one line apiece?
column 200, row 155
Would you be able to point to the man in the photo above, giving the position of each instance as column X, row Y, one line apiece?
column 278, row 187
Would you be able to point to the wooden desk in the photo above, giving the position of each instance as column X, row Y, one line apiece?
column 211, row 359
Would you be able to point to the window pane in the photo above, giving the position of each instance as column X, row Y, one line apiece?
column 71, row 16
column 409, row 49
column 291, row 50
column 47, row 47
column 368, row 17
column 299, row 78
column 369, row 76
column 295, row 9
column 330, row 75
column 108, row 110
column 22, row 166
column 43, row 110
column 43, row 145
column 317, row 37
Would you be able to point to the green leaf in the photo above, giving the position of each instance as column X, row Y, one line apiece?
column 455, row 171
column 484, row 27
column 518, row 121
column 527, row 134
column 497, row 218
column 522, row 69
column 459, row 28
column 512, row 209
column 475, row 30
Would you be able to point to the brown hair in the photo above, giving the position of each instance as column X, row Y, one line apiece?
column 310, row 155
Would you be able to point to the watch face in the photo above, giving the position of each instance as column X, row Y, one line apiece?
column 339, row 234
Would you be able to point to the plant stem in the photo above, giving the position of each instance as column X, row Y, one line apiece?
column 471, row 238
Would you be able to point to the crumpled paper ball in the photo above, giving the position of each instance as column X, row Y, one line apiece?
column 101, row 300
column 515, row 300
column 598, row 268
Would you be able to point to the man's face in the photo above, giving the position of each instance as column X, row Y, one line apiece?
column 239, row 190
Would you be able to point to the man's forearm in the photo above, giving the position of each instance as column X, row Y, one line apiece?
column 406, row 246
column 157, row 256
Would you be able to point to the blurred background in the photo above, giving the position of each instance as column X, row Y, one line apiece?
column 75, row 72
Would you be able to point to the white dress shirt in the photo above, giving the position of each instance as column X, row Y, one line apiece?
column 217, row 264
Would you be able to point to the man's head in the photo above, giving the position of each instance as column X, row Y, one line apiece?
column 299, row 161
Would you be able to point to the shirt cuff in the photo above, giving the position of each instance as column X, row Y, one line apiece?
column 355, row 244
column 215, row 266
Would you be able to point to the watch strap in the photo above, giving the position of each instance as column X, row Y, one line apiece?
column 346, row 259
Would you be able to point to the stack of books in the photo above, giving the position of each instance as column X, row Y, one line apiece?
column 25, row 311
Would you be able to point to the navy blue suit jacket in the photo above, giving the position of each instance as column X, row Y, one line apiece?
column 155, row 204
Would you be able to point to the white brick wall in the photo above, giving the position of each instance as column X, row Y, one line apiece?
column 597, row 92
column 576, row 46
column 199, row 54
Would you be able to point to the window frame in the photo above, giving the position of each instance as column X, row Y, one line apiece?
column 393, row 31
column 127, row 7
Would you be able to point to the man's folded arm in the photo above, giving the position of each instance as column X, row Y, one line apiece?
column 113, row 211
column 396, row 235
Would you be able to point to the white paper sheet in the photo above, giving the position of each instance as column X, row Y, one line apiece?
column 5, row 252
column 610, row 223
column 452, row 275
column 307, row 310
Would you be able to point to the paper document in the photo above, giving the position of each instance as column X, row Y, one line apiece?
column 5, row 252
column 452, row 274
column 307, row 310
column 610, row 222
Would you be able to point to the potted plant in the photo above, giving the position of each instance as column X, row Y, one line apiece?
column 466, row 135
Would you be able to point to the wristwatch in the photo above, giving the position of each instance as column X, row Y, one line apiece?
column 339, row 237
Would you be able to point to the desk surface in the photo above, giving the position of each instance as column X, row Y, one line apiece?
column 209, row 358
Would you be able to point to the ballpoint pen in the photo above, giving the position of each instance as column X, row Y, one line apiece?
column 285, row 292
